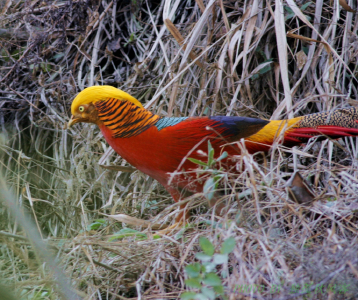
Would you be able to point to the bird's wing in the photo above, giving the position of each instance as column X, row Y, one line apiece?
column 228, row 128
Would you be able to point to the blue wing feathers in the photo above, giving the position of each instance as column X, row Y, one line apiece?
column 239, row 126
column 165, row 122
column 233, row 127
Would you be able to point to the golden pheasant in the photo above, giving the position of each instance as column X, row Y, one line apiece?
column 159, row 146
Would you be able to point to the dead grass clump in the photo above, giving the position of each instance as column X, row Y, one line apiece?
column 179, row 58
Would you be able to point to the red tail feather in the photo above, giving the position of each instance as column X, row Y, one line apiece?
column 301, row 135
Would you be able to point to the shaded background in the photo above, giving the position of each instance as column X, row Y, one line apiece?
column 223, row 60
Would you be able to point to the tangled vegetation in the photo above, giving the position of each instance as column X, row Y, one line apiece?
column 179, row 58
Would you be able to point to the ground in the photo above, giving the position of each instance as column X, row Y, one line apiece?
column 183, row 58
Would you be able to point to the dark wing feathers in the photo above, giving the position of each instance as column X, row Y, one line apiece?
column 239, row 127
column 230, row 128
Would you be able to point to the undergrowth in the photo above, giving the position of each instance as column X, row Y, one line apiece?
column 179, row 58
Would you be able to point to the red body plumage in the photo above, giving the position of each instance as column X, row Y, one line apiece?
column 160, row 146
column 159, row 153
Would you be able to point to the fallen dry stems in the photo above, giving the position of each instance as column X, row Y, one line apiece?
column 178, row 58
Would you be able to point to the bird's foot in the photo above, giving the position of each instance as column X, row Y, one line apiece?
column 172, row 229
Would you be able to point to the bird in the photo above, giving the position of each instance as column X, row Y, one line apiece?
column 162, row 146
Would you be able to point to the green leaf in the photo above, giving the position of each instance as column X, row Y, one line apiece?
column 126, row 232
column 198, row 162
column 180, row 234
column 220, row 259
column 213, row 224
column 151, row 204
column 193, row 270
column 289, row 16
column 209, row 188
column 304, row 6
column 224, row 274
column 206, row 245
column 103, row 221
column 96, row 224
column 222, row 156
column 58, row 55
column 243, row 194
column 193, row 283
column 201, row 297
column 202, row 256
column 265, row 69
column 212, row 279
column 208, row 293
column 4, row 55
column 228, row 246
column 289, row 10
column 217, row 178
column 45, row 67
column 262, row 68
column 211, row 153
column 132, row 37
column 209, row 267
column 17, row 53
column 219, row 289
column 52, row 77
column 187, row 295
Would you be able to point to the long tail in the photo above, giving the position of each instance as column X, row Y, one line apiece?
column 335, row 124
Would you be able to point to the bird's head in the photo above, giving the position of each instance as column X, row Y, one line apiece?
column 83, row 107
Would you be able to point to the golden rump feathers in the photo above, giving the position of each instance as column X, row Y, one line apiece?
column 97, row 93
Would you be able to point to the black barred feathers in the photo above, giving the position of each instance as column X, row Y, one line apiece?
column 124, row 118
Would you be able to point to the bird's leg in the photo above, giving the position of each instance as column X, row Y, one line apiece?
column 181, row 219
column 184, row 214
column 220, row 207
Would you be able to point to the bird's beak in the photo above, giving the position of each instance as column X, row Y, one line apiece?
column 72, row 121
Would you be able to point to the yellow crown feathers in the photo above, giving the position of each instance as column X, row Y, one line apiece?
column 97, row 93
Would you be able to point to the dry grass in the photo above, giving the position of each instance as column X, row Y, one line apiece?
column 180, row 58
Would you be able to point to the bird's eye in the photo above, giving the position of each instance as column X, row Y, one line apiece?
column 81, row 108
